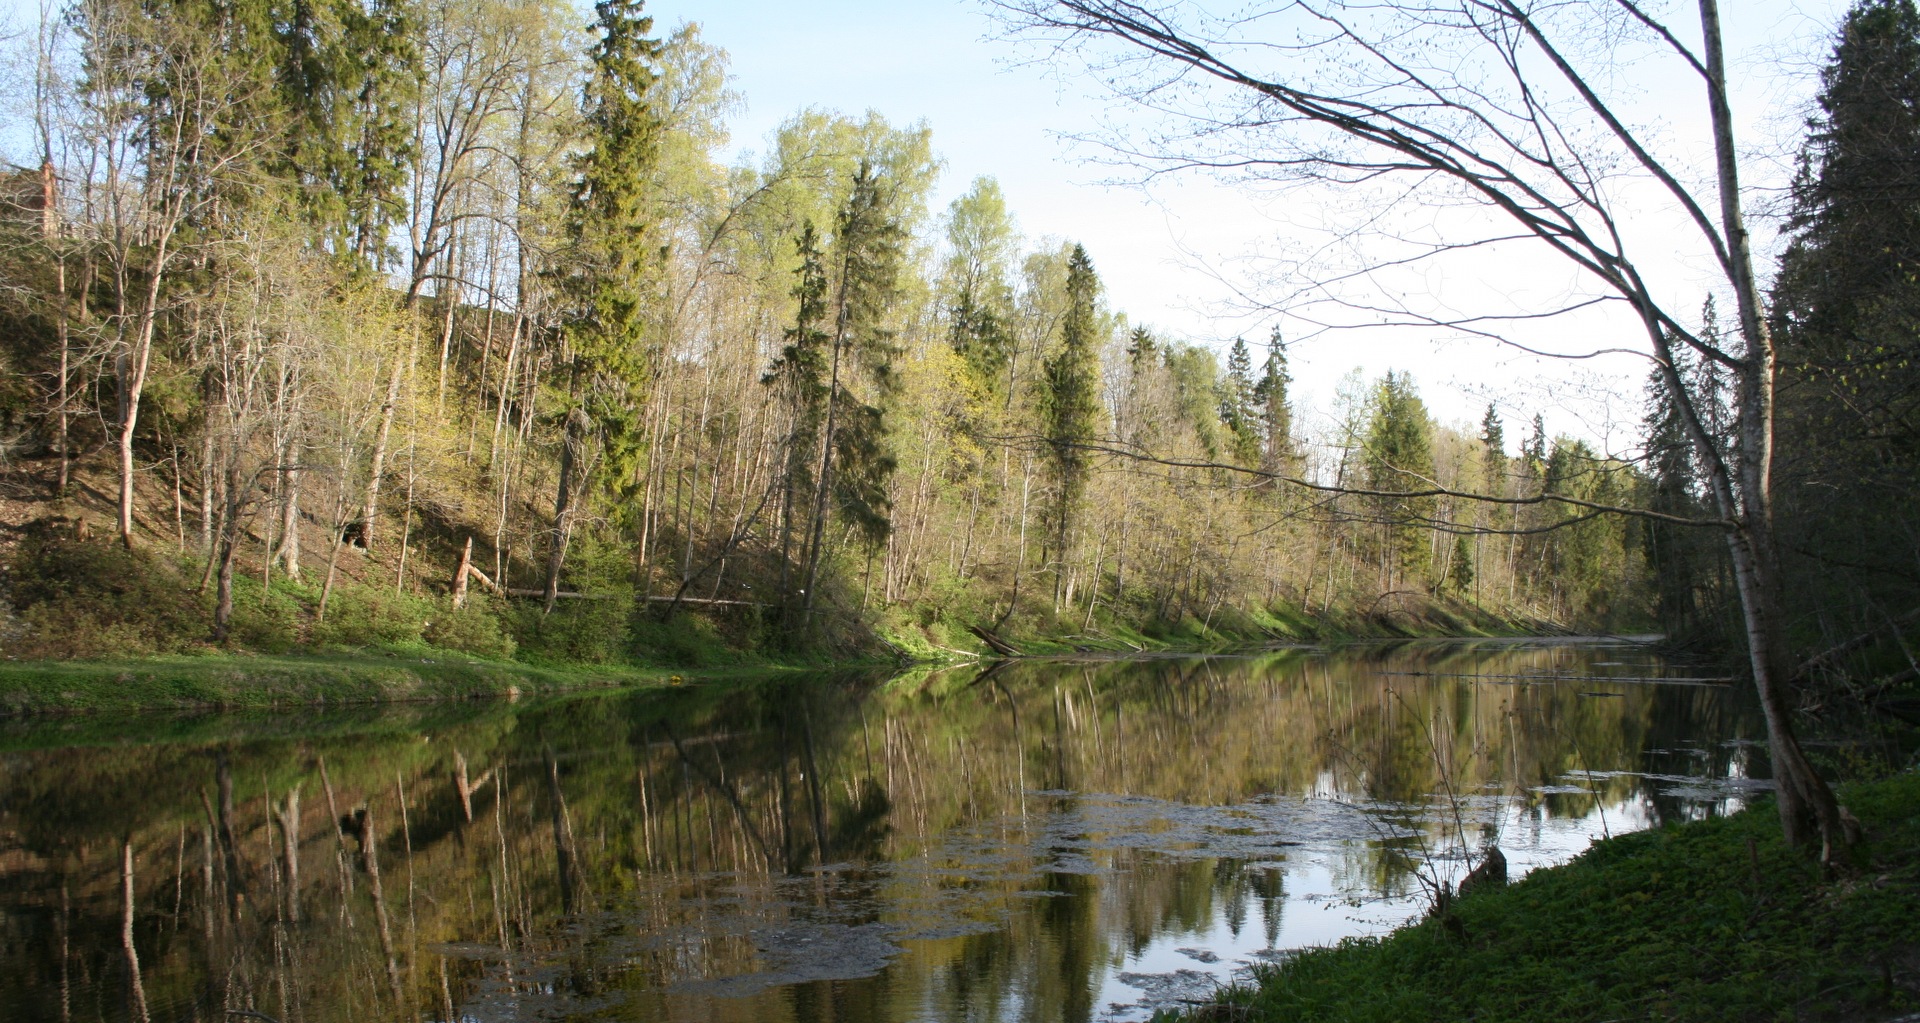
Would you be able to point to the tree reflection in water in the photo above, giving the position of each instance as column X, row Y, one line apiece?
column 963, row 845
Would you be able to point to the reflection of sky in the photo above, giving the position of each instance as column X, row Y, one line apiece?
column 1320, row 906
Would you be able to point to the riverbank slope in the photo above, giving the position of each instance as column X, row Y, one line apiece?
column 1714, row 920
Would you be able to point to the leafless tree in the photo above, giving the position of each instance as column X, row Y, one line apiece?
column 1511, row 108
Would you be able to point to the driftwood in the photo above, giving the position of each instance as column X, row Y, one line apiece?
column 998, row 645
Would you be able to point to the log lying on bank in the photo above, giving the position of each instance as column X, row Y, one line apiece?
column 998, row 645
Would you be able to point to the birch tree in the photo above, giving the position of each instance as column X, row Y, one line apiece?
column 1509, row 110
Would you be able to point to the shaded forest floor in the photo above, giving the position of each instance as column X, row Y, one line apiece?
column 1714, row 920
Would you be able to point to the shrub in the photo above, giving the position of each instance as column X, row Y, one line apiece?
column 360, row 616
column 94, row 599
column 474, row 629
column 589, row 631
column 270, row 626
column 685, row 640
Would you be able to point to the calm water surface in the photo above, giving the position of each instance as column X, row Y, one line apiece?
column 1051, row 841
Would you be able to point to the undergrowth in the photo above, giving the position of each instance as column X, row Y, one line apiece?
column 1710, row 921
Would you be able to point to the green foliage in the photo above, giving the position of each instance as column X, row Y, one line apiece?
column 361, row 616
column 609, row 280
column 1239, row 404
column 1716, row 920
column 474, row 628
column 1587, row 557
column 1493, row 443
column 980, row 236
column 577, row 632
column 1846, row 304
column 683, row 641
column 1071, row 396
column 1460, row 572
column 90, row 598
column 1399, row 458
column 348, row 79
column 1275, row 411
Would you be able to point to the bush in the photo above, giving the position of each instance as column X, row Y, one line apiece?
column 685, row 640
column 587, row 631
column 79, row 599
column 361, row 616
column 269, row 626
column 474, row 629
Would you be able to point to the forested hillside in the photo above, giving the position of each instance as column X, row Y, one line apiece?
column 336, row 324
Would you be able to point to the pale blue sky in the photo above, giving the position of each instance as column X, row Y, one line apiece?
column 941, row 61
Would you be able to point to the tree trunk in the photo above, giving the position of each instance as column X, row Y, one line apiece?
column 1807, row 805
column 380, row 453
column 229, row 543
column 460, row 582
column 562, row 509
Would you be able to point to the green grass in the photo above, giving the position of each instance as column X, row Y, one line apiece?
column 1687, row 922
column 244, row 681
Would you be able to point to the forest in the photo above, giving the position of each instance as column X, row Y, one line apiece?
column 422, row 333
column 407, row 325
column 354, row 319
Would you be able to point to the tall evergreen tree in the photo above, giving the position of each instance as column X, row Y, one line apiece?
column 1071, row 399
column 800, row 373
column 1674, row 553
column 1493, row 444
column 1237, row 404
column 1399, row 457
column 1847, row 301
column 349, row 76
column 1275, row 411
column 869, row 250
column 609, row 276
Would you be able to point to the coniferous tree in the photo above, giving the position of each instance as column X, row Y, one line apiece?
column 610, row 273
column 1493, row 444
column 801, row 374
column 1460, row 572
column 868, row 250
column 1399, row 457
column 1071, row 400
column 1238, row 401
column 1673, row 553
column 349, row 76
column 1277, row 453
column 1847, row 301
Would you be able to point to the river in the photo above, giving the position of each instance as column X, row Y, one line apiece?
column 1049, row 840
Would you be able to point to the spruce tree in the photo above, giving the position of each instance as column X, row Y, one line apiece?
column 1847, row 303
column 1460, row 573
column 1237, row 404
column 869, row 251
column 1399, row 457
column 1277, row 454
column 607, row 279
column 1071, row 399
column 1493, row 442
column 1674, row 553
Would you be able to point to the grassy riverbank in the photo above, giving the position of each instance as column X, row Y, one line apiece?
column 250, row 681
column 1716, row 920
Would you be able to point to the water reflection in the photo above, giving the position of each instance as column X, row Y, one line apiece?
column 1049, row 841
